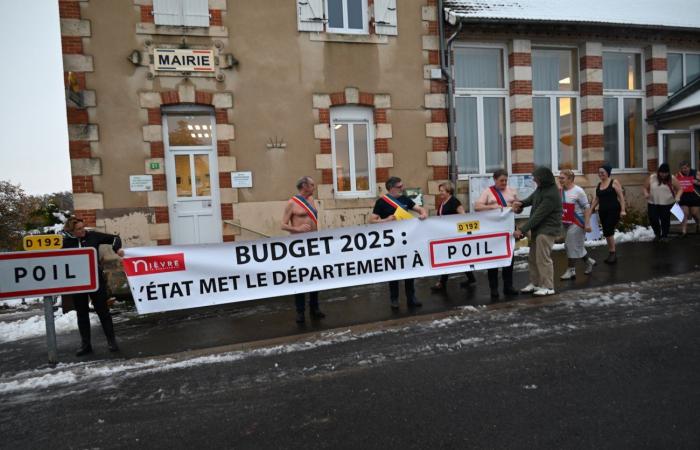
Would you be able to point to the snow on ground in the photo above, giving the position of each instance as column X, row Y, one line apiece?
column 35, row 326
column 21, row 303
column 638, row 234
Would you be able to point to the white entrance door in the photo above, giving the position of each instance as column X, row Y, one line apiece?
column 676, row 146
column 192, row 175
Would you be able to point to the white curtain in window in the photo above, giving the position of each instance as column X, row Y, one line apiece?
column 478, row 67
column 545, row 70
column 610, row 137
column 633, row 133
column 467, row 137
column 542, row 123
column 615, row 70
column 494, row 133
column 675, row 71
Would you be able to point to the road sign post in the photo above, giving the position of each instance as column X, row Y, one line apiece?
column 48, row 273
column 50, row 330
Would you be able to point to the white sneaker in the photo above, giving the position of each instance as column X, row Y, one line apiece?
column 569, row 274
column 590, row 262
column 541, row 292
column 529, row 288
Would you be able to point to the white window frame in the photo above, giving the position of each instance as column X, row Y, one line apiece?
column 480, row 94
column 684, row 53
column 354, row 115
column 621, row 95
column 554, row 122
column 346, row 29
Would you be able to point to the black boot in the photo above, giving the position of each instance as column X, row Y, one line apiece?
column 112, row 345
column 316, row 314
column 85, row 349
column 611, row 259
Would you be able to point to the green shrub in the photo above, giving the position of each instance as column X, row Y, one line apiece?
column 633, row 218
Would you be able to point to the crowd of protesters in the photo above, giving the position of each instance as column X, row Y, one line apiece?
column 556, row 210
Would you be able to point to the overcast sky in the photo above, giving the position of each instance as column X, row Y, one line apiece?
column 34, row 145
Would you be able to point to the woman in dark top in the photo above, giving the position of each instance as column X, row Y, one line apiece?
column 75, row 235
column 610, row 201
column 450, row 205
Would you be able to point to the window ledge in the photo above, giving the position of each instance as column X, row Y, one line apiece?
column 349, row 38
column 153, row 29
column 349, row 203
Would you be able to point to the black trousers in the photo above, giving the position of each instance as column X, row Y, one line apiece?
column 99, row 302
column 660, row 219
column 408, row 284
column 299, row 301
column 470, row 278
column 507, row 278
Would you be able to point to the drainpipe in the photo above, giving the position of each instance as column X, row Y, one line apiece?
column 445, row 52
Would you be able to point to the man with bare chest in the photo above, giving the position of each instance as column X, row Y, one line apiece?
column 301, row 216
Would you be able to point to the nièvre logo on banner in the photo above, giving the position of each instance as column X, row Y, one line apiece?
column 149, row 265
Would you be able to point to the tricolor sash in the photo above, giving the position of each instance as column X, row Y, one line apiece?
column 569, row 215
column 499, row 197
column 310, row 210
column 399, row 208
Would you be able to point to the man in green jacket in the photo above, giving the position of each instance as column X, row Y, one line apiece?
column 544, row 226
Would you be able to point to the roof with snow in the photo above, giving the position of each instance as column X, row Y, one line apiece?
column 683, row 103
column 683, row 14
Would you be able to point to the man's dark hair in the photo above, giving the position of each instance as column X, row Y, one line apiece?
column 499, row 173
column 391, row 182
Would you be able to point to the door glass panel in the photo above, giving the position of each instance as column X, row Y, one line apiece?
column 633, row 133
column 566, row 114
column 342, row 157
column 189, row 130
column 478, row 67
column 361, row 157
column 183, row 176
column 467, row 139
column 610, row 152
column 676, row 150
column 494, row 133
column 201, row 175
column 542, row 122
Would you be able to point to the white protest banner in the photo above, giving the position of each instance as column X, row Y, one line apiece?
column 190, row 276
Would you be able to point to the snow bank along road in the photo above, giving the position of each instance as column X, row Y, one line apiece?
column 599, row 367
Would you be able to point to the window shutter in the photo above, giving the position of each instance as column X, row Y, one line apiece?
column 310, row 15
column 167, row 12
column 385, row 19
column 196, row 13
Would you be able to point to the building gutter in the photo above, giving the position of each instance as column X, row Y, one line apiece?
column 445, row 68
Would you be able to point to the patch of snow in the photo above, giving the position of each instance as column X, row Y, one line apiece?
column 638, row 234
column 530, row 387
column 35, row 326
column 670, row 13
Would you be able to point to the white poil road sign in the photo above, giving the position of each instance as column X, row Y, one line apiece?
column 68, row 271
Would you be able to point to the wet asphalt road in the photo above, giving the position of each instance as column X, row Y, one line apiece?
column 166, row 333
column 607, row 367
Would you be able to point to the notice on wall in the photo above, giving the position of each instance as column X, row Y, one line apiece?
column 166, row 278
column 140, row 183
column 242, row 179
column 183, row 60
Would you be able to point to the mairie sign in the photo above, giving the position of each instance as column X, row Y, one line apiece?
column 183, row 60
